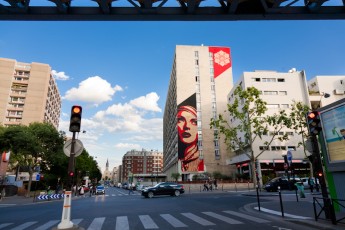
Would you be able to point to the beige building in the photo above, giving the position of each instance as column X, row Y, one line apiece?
column 324, row 90
column 28, row 93
column 278, row 90
column 200, row 80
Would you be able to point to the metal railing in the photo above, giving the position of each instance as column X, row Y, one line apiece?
column 333, row 209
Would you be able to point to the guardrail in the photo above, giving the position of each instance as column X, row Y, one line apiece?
column 333, row 209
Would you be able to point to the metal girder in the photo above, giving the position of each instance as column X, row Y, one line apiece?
column 164, row 10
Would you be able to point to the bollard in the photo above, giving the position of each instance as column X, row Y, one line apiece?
column 189, row 189
column 235, row 186
column 257, row 196
column 281, row 202
column 222, row 187
column 248, row 186
column 200, row 188
column 296, row 195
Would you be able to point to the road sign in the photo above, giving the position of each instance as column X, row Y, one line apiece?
column 38, row 176
column 78, row 148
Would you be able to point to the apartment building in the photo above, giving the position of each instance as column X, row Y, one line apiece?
column 279, row 90
column 200, row 80
column 142, row 166
column 28, row 93
column 324, row 90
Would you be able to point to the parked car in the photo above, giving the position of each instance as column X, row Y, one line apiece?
column 163, row 188
column 100, row 189
column 282, row 182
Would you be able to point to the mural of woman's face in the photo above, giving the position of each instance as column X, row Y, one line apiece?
column 187, row 126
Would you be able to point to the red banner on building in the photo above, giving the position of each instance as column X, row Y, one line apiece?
column 221, row 59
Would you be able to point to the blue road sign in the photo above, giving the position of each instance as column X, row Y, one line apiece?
column 289, row 156
column 38, row 176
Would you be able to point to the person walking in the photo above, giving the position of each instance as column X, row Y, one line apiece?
column 130, row 189
column 311, row 184
column 215, row 184
column 205, row 186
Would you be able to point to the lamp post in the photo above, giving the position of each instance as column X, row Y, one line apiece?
column 323, row 95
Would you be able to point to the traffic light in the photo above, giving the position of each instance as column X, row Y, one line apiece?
column 75, row 121
column 71, row 173
column 314, row 122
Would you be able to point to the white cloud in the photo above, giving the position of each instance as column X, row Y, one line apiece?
column 60, row 75
column 148, row 102
column 128, row 146
column 93, row 90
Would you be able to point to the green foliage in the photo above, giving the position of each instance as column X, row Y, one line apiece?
column 41, row 144
column 175, row 176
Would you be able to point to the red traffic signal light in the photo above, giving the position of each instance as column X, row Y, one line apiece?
column 320, row 174
column 314, row 122
column 71, row 174
column 75, row 121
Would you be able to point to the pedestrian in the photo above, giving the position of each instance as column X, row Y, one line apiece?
column 130, row 189
column 81, row 191
column 311, row 184
column 205, row 186
column 215, row 184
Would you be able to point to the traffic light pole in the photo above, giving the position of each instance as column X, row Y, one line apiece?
column 71, row 164
column 317, row 167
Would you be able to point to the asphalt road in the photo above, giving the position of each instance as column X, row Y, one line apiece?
column 120, row 211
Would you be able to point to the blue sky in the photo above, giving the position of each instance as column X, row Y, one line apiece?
column 119, row 71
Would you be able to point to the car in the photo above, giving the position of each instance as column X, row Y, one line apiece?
column 163, row 188
column 100, row 189
column 282, row 182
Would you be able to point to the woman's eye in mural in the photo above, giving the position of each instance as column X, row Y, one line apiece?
column 181, row 120
column 194, row 121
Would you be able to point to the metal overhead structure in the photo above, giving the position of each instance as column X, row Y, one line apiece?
column 171, row 10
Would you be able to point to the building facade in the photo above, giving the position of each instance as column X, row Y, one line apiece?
column 107, row 174
column 324, row 90
column 279, row 91
column 200, row 80
column 28, row 93
column 142, row 166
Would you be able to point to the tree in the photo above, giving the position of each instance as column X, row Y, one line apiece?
column 299, row 124
column 250, row 123
column 175, row 176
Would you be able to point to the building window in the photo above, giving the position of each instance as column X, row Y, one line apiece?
column 284, row 106
column 196, row 62
column 268, row 80
column 257, row 79
column 282, row 93
column 293, row 148
column 263, row 148
column 196, row 54
column 289, row 133
column 270, row 92
column 281, row 80
column 272, row 106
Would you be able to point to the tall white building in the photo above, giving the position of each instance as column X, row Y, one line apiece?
column 200, row 80
column 279, row 90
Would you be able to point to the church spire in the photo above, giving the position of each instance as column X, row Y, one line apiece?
column 107, row 165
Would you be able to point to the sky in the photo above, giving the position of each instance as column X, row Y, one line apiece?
column 119, row 71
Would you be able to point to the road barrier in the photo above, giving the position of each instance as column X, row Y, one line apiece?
column 49, row 197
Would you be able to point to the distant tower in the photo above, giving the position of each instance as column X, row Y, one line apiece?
column 107, row 175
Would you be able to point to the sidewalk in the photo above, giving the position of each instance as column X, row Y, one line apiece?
column 301, row 211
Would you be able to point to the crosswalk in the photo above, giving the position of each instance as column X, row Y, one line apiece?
column 160, row 221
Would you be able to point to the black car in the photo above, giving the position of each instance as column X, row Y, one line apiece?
column 282, row 182
column 163, row 188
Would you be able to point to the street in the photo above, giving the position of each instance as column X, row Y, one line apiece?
column 120, row 211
